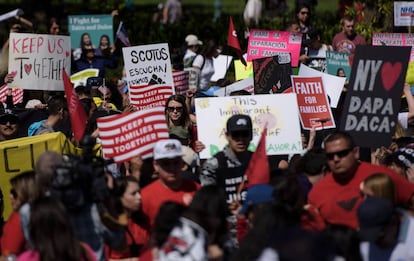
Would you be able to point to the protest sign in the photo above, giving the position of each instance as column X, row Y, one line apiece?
column 150, row 96
column 263, row 43
column 221, row 64
column 333, row 84
column 241, row 71
column 373, row 99
column 148, row 65
column 37, row 60
column 180, row 82
column 94, row 25
column 313, row 104
column 271, row 75
column 246, row 84
column 395, row 39
column 8, row 15
column 20, row 155
column 403, row 13
column 279, row 112
column 81, row 77
column 336, row 61
column 125, row 136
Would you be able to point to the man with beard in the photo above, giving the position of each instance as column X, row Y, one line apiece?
column 8, row 126
column 337, row 196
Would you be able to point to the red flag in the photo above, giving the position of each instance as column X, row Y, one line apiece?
column 77, row 114
column 233, row 41
column 258, row 170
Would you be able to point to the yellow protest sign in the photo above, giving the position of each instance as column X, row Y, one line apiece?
column 20, row 155
column 242, row 72
column 410, row 73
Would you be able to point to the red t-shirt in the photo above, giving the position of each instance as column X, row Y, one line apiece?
column 156, row 193
column 338, row 203
column 140, row 236
column 12, row 240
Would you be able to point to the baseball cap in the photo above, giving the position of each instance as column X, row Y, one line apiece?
column 8, row 116
column 239, row 122
column 191, row 39
column 167, row 149
column 257, row 194
column 373, row 214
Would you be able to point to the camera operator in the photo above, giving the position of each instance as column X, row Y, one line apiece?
column 81, row 185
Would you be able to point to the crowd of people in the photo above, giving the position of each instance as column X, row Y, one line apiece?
column 333, row 201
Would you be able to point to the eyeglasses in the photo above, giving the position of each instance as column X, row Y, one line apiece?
column 340, row 154
column 172, row 109
column 240, row 134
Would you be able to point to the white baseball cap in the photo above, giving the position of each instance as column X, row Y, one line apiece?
column 191, row 39
column 167, row 149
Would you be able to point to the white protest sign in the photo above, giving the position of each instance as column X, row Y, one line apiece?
column 148, row 65
column 15, row 12
column 333, row 84
column 37, row 60
column 279, row 112
column 403, row 13
column 80, row 78
column 246, row 84
column 221, row 64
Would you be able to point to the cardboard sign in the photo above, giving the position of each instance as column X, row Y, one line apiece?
column 264, row 43
column 148, row 65
column 333, row 84
column 336, row 61
column 279, row 112
column 271, row 75
column 395, row 39
column 313, row 104
column 150, row 96
column 403, row 13
column 181, row 81
column 373, row 99
column 94, row 25
column 124, row 136
column 37, row 60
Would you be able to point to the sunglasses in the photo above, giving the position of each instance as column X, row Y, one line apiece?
column 240, row 134
column 304, row 13
column 172, row 109
column 339, row 154
column 6, row 120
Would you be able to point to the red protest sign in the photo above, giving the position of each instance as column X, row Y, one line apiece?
column 313, row 104
column 180, row 79
column 124, row 136
column 150, row 96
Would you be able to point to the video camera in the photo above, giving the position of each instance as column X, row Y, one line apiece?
column 80, row 180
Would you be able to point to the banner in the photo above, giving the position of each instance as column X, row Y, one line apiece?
column 180, row 82
column 403, row 13
column 264, row 43
column 146, row 97
column 336, row 61
column 19, row 155
column 124, row 136
column 333, row 84
column 394, row 39
column 271, row 75
column 279, row 112
column 221, row 64
column 373, row 99
column 94, row 25
column 37, row 60
column 313, row 104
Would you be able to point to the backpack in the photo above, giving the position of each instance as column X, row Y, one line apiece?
column 34, row 127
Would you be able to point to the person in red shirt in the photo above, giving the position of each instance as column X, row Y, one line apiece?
column 170, row 186
column 337, row 196
column 347, row 40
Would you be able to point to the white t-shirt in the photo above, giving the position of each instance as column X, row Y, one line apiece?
column 206, row 72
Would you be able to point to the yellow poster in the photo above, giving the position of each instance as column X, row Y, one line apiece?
column 20, row 155
column 242, row 72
